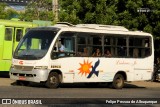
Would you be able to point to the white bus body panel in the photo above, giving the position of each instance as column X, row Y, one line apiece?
column 106, row 69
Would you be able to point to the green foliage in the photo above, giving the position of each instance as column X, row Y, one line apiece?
column 116, row 12
column 2, row 11
column 38, row 10
column 6, row 12
column 156, row 29
column 88, row 11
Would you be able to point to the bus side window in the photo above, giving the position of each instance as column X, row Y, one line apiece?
column 121, row 47
column 8, row 34
column 64, row 45
column 135, row 53
column 19, row 34
column 81, row 44
column 147, row 47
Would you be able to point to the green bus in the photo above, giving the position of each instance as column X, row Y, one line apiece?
column 11, row 31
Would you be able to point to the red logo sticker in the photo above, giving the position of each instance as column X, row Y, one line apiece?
column 21, row 62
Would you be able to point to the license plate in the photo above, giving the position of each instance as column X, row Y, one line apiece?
column 22, row 78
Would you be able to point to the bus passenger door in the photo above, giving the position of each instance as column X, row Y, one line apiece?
column 17, row 36
column 8, row 42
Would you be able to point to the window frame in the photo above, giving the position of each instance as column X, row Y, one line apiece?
column 113, row 45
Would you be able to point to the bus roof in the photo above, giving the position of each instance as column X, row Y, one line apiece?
column 16, row 23
column 98, row 28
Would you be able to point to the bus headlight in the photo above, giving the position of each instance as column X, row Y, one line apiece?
column 41, row 67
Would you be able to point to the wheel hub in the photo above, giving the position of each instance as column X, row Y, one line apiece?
column 53, row 80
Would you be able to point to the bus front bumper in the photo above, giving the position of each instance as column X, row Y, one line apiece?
column 36, row 75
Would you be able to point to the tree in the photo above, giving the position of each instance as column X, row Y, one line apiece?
column 6, row 12
column 38, row 10
column 143, row 15
column 130, row 16
column 69, row 10
column 116, row 12
column 88, row 11
column 2, row 11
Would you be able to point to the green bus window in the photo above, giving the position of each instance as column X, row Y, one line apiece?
column 19, row 34
column 8, row 34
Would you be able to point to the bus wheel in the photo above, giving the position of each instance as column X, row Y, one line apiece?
column 118, row 81
column 53, row 80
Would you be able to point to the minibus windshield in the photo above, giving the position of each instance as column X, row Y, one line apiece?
column 35, row 44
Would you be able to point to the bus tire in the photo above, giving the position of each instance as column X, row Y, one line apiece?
column 118, row 81
column 53, row 80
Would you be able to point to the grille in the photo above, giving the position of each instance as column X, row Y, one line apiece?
column 23, row 68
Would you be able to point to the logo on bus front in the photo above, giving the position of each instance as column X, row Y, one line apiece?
column 21, row 62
